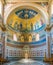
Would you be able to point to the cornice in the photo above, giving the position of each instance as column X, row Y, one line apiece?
column 16, row 1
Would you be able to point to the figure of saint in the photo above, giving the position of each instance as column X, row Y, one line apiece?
column 35, row 27
column 16, row 26
column 11, row 22
column 21, row 25
column 31, row 26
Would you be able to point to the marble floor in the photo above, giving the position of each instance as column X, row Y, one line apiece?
column 16, row 63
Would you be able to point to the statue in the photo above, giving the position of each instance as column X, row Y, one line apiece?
column 26, row 49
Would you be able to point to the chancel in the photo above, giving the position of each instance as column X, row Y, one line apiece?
column 26, row 32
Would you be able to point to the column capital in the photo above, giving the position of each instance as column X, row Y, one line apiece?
column 2, row 26
column 48, row 28
column 3, row 2
column 50, row 1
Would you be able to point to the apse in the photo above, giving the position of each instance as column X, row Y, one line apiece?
column 24, row 22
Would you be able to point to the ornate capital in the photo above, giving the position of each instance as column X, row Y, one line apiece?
column 3, row 27
column 3, row 2
column 48, row 28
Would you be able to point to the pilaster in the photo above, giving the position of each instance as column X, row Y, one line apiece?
column 48, row 41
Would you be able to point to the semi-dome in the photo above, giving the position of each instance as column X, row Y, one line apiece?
column 25, row 20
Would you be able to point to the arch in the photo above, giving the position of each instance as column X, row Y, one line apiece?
column 40, row 8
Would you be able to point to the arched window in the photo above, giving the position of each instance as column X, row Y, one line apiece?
column 14, row 37
column 52, row 9
column 0, row 8
column 37, row 37
column 51, row 13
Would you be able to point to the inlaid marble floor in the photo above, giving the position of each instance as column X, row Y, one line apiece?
column 26, row 64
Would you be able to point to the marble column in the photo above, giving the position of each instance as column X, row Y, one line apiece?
column 48, row 32
column 3, row 47
column 48, row 41
column 3, row 29
column 48, row 45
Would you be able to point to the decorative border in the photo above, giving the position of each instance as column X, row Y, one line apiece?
column 27, row 31
column 31, row 43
